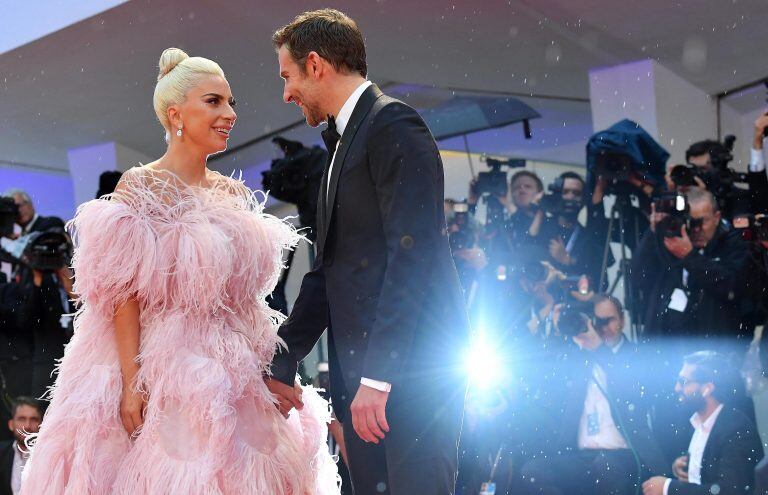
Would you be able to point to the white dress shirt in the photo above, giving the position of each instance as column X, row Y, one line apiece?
column 596, row 427
column 19, row 461
column 701, row 432
column 342, row 119
column 756, row 161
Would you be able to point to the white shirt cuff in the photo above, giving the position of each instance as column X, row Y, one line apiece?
column 380, row 386
column 756, row 161
column 666, row 485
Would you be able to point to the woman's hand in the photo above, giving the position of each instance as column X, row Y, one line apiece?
column 132, row 407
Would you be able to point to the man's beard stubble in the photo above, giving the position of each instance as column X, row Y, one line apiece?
column 313, row 115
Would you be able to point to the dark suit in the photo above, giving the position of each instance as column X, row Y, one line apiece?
column 732, row 451
column 7, row 451
column 385, row 286
column 567, row 469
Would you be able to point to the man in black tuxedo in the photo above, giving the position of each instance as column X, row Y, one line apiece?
column 26, row 416
column 383, row 282
column 724, row 446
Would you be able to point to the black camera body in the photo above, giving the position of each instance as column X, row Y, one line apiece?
column 752, row 227
column 9, row 213
column 494, row 182
column 678, row 212
column 296, row 178
column 554, row 203
column 615, row 167
column 573, row 319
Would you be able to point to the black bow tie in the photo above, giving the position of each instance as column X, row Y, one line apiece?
column 331, row 135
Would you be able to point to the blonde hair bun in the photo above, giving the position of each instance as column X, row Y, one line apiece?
column 170, row 58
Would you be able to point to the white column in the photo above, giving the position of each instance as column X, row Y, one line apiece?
column 87, row 163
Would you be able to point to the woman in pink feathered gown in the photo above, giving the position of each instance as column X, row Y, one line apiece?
column 161, row 389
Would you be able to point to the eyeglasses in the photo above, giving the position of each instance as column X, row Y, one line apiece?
column 683, row 381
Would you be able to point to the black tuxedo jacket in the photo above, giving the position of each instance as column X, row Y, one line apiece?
column 6, row 466
column 383, row 282
column 728, row 464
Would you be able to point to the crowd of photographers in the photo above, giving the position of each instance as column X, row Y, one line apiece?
column 579, row 392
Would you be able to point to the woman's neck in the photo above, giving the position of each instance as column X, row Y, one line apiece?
column 186, row 162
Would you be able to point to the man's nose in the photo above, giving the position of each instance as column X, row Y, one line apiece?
column 287, row 96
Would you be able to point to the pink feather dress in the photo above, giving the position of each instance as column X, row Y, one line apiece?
column 200, row 261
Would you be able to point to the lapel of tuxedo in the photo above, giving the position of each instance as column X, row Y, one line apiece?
column 364, row 105
column 714, row 441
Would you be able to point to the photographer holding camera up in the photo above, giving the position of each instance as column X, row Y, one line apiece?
column 689, row 271
column 42, row 282
column 707, row 167
column 573, row 248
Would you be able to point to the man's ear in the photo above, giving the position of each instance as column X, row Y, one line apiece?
column 315, row 64
column 10, row 425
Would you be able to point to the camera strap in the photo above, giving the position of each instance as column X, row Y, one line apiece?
column 572, row 239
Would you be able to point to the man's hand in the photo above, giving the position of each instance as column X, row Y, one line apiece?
column 589, row 340
column 680, row 247
column 680, row 468
column 654, row 486
column 64, row 276
column 558, row 252
column 287, row 397
column 599, row 193
column 369, row 416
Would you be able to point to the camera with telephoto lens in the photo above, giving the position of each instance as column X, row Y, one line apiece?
column 9, row 212
column 573, row 318
column 720, row 179
column 615, row 167
column 45, row 251
column 752, row 227
column 554, row 204
column 296, row 178
column 494, row 182
column 678, row 214
column 684, row 175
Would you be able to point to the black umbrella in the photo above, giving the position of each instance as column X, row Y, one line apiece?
column 449, row 114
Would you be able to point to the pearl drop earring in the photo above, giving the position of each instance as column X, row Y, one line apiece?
column 178, row 133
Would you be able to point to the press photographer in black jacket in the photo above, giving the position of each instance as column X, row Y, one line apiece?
column 690, row 284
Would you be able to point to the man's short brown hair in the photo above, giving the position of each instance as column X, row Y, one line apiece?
column 330, row 33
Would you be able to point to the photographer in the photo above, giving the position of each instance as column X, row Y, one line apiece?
column 27, row 217
column 707, row 167
column 43, row 285
column 512, row 240
column 604, row 444
column 573, row 248
column 690, row 276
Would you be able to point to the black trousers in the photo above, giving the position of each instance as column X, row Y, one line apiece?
column 420, row 453
column 587, row 472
